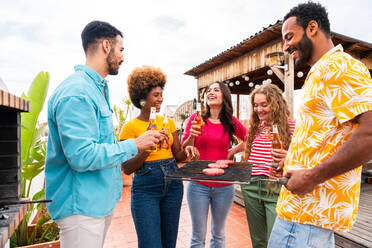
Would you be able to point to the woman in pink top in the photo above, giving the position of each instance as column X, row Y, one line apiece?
column 213, row 144
column 269, row 107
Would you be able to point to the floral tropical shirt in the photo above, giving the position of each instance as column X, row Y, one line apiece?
column 337, row 89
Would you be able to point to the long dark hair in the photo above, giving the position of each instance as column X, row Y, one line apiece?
column 225, row 115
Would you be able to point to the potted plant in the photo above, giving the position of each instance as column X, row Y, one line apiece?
column 33, row 152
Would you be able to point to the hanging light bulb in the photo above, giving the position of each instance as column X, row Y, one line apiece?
column 269, row 81
column 269, row 72
column 246, row 78
column 264, row 82
column 300, row 74
column 237, row 82
column 251, row 84
column 231, row 84
column 256, row 86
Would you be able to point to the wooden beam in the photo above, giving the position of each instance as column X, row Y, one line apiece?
column 289, row 82
column 278, row 73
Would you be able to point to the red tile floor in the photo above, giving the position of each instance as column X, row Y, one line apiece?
column 123, row 234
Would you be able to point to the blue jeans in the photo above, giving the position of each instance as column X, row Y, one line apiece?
column 199, row 197
column 292, row 234
column 156, row 204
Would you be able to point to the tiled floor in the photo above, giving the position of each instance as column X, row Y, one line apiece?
column 123, row 234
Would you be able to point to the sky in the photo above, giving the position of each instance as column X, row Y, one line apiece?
column 173, row 35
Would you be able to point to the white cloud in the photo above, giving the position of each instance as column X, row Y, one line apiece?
column 170, row 34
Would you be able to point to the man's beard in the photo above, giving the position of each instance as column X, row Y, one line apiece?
column 111, row 64
column 305, row 50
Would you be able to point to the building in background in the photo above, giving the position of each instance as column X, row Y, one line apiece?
column 259, row 60
column 170, row 110
column 182, row 114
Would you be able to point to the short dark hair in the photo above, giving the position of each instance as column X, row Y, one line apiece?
column 305, row 12
column 96, row 30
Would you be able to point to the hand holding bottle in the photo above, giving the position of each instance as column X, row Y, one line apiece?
column 148, row 140
column 195, row 130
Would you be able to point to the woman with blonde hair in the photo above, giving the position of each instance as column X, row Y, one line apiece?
column 155, row 202
column 268, row 108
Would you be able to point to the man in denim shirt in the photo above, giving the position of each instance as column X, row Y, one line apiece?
column 82, row 171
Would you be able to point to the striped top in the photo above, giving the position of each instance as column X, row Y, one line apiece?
column 261, row 149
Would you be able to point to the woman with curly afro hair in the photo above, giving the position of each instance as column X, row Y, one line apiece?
column 155, row 202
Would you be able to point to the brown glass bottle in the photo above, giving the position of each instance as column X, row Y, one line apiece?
column 198, row 117
column 164, row 144
column 276, row 143
column 152, row 124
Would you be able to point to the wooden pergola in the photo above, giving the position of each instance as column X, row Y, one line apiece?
column 243, row 66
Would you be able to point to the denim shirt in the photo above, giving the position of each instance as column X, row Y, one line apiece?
column 82, row 170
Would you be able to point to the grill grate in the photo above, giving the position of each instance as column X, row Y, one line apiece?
column 240, row 172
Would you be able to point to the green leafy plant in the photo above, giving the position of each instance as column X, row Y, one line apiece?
column 33, row 153
column 121, row 115
column 31, row 158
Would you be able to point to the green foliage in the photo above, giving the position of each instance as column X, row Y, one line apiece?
column 36, row 95
column 121, row 115
column 33, row 153
column 35, row 163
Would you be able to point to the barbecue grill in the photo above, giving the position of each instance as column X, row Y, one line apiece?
column 11, row 107
column 237, row 173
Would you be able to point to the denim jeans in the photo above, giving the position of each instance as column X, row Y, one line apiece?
column 156, row 204
column 292, row 234
column 199, row 197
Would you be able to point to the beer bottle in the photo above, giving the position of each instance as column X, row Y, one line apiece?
column 152, row 124
column 276, row 143
column 198, row 117
column 164, row 144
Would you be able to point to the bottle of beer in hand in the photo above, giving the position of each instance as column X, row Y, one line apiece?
column 198, row 117
column 152, row 124
column 276, row 143
column 164, row 144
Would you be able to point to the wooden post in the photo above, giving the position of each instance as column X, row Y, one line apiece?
column 289, row 82
column 237, row 105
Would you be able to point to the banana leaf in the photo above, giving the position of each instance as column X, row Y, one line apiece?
column 36, row 95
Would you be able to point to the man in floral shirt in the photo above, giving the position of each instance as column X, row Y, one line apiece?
column 332, row 136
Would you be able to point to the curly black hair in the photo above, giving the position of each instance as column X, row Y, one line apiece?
column 306, row 12
column 142, row 80
column 226, row 114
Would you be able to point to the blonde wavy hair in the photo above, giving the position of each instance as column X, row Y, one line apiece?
column 279, row 115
